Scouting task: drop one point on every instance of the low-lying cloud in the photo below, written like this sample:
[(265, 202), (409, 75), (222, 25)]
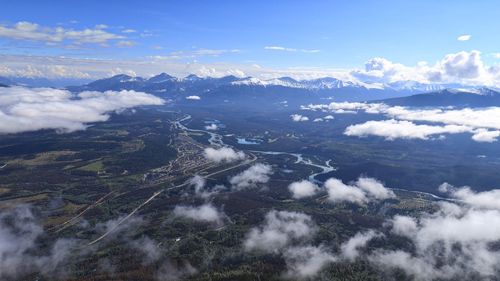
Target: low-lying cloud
[(280, 228), (482, 123), (396, 129), (204, 213), (453, 243), (302, 189), (485, 199), (362, 191), (19, 232), (257, 174), (299, 118), (457, 241), (31, 109), (306, 261), (350, 249), (223, 154), (212, 127), (288, 234)]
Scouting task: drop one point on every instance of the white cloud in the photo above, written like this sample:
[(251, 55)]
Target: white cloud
[(205, 213), (462, 67), (483, 135), (351, 248), (374, 188), (223, 154), (381, 70), (396, 129), (46, 71), (483, 123), (299, 118), (306, 261), (362, 191), (279, 230), (20, 254), (403, 225), (31, 31), (285, 49), (191, 54), (287, 233), (251, 177), (201, 189), (198, 182), (125, 43), (193, 98), (129, 30), (453, 243), (465, 37), (340, 192), (486, 199), (212, 127), (30, 109), (302, 189)]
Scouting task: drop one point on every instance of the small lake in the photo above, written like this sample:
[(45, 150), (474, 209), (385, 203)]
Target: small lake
[(249, 141)]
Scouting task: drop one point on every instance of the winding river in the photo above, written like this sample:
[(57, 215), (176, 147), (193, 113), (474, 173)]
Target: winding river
[(216, 140)]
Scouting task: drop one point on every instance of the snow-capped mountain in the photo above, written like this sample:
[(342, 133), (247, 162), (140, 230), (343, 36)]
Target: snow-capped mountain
[(314, 84), (287, 88), (334, 83), (460, 97), (414, 86)]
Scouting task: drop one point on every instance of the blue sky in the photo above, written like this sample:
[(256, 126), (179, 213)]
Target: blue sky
[(320, 34)]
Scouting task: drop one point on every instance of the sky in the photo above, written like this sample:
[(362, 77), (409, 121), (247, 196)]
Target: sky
[(239, 37)]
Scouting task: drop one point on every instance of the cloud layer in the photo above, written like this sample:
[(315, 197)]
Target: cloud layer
[(482, 123), (30, 109), (20, 253), (462, 67), (466, 67), (24, 30), (288, 233), (362, 191)]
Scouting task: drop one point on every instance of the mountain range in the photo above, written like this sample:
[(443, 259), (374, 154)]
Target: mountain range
[(290, 91), (480, 97), (325, 83)]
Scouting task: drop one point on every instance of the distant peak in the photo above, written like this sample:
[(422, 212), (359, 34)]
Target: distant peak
[(162, 77), (192, 77), (288, 79), (125, 78), (119, 76), (482, 91)]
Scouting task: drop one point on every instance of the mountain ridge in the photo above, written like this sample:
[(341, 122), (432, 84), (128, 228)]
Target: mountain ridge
[(478, 97)]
